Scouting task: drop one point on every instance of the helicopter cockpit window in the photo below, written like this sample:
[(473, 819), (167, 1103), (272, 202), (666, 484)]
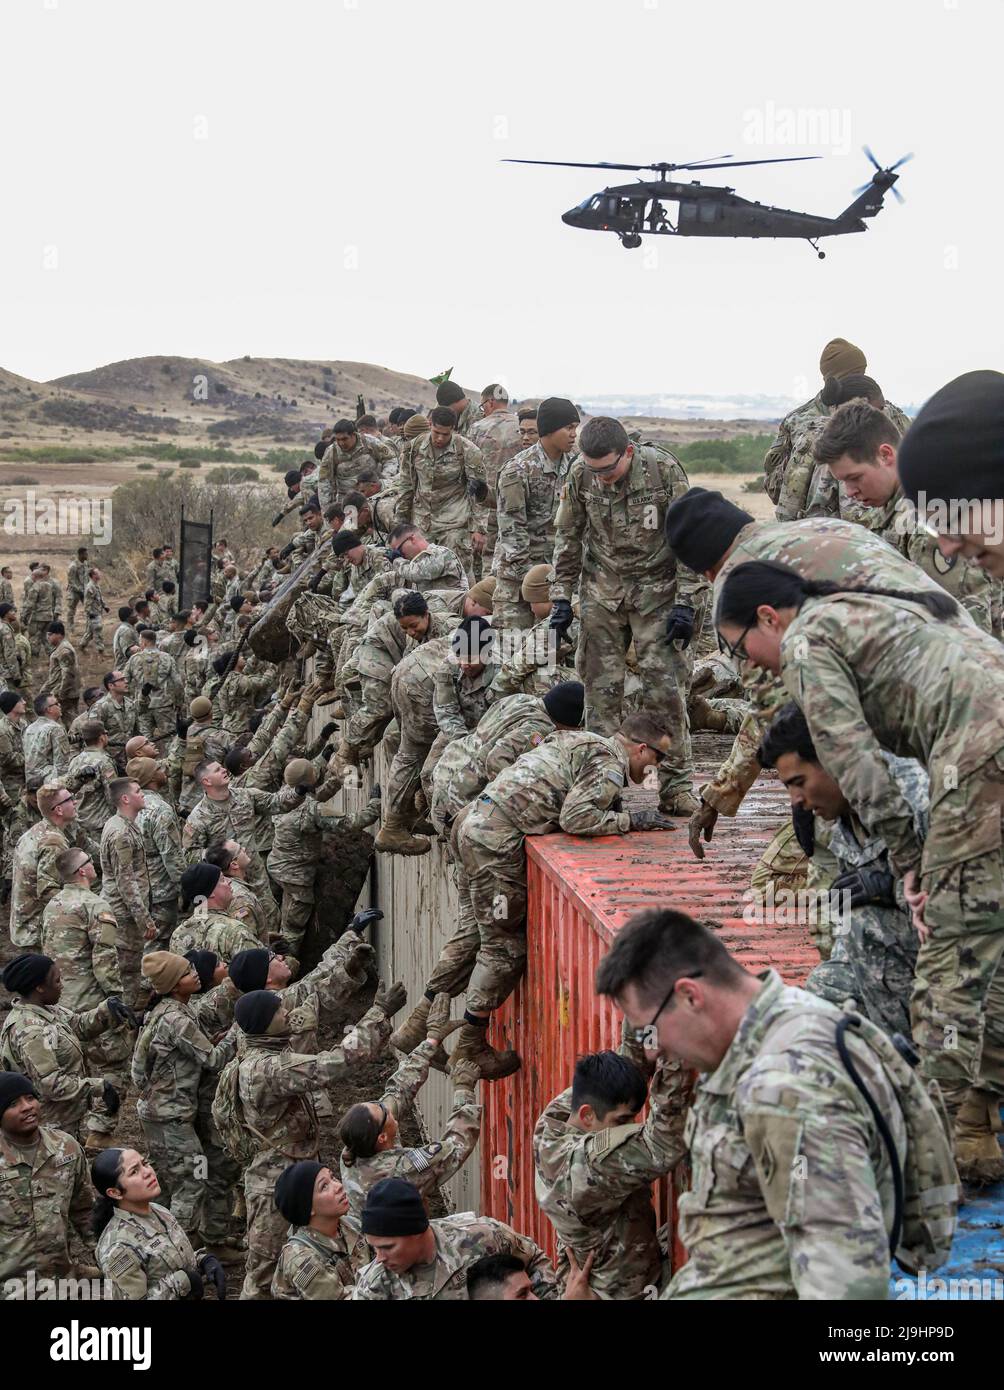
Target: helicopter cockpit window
[(688, 212), (709, 212)]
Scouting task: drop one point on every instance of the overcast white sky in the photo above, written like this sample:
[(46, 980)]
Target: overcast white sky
[(321, 178)]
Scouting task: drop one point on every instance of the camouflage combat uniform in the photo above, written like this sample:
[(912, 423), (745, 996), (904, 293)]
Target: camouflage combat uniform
[(367, 675), (47, 750), (122, 643), (434, 493), (11, 781), (532, 659), (529, 488), (610, 544), (87, 777), (78, 932), (233, 818), (76, 583), (119, 719), (165, 863), (46, 1042), (63, 679), (40, 607), (411, 698), (207, 930), (146, 1257), (204, 742), (237, 698), (95, 609), (35, 879), (156, 709), (572, 782), (45, 1190), (497, 436), (10, 664), (430, 1166), (125, 882), (314, 1266), (339, 471), (460, 1242)]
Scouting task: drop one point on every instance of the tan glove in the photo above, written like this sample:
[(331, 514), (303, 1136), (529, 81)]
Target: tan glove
[(390, 999), (466, 1074), (702, 820)]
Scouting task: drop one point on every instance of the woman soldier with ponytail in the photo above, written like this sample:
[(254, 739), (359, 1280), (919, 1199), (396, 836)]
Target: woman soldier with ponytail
[(141, 1248), (874, 669)]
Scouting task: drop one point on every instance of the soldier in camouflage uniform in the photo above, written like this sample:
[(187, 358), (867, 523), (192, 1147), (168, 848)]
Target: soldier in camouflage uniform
[(371, 1135), (529, 488), (40, 607), (610, 544), (95, 609), (125, 882), (35, 878), (45, 1041), (165, 858), (11, 765), (532, 658), (442, 489), (302, 837), (204, 741), (46, 1193), (348, 454), (155, 685), (306, 541), (79, 933), (10, 661), (237, 697), (76, 583), (125, 637), (869, 673), (497, 435), (424, 1260), (571, 782), (207, 924), (316, 1261), (452, 396), (171, 1059), (63, 680), (595, 1165), (24, 815), (47, 749), (232, 860), (265, 1096), (89, 697), (411, 695), (791, 1194), (88, 777), (6, 584)]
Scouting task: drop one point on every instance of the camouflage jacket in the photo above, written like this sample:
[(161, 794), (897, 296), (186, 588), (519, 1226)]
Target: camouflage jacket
[(119, 720), (122, 643), (172, 1052), (459, 701), (10, 665), (87, 777), (596, 1188), (125, 879), (434, 486), (460, 1242), (213, 931), (165, 859), (78, 932), (430, 1166), (339, 472), (46, 749), (372, 665), (237, 696), (511, 726), (572, 781), (246, 908), (42, 602), (791, 1192), (158, 670), (314, 1266), (11, 762), (497, 436), (146, 1257), (411, 690), (35, 879), (46, 1042), (76, 577), (529, 487), (94, 604), (203, 740), (299, 836), (437, 567), (233, 818), (44, 1191), (533, 659), (610, 542), (793, 471), (63, 679)]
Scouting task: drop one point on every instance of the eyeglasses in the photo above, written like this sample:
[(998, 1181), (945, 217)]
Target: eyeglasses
[(736, 650), (660, 754), (65, 799), (607, 467), (384, 1113), (644, 1036)]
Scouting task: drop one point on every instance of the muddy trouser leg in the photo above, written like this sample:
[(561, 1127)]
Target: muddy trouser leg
[(493, 856), (130, 942), (222, 1179), (108, 1055), (165, 914), (452, 971), (600, 662), (404, 777), (872, 963), (665, 673), (176, 1153), (297, 910), (266, 1232)]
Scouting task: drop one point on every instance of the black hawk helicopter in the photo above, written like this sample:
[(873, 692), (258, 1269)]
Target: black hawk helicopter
[(633, 209)]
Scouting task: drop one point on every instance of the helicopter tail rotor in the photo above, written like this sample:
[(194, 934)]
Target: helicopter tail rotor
[(883, 178)]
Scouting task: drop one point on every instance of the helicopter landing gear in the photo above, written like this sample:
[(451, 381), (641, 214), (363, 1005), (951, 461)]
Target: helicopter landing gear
[(815, 247), (630, 241)]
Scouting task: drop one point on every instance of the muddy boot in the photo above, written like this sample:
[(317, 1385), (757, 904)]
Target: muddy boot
[(423, 826), (394, 838), (705, 717), (977, 1152), (96, 1142), (681, 803), (412, 1030), (475, 1047)]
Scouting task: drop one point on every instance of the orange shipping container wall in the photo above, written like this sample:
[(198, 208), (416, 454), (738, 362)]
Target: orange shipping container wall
[(580, 893)]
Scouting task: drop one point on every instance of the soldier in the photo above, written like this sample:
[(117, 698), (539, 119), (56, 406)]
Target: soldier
[(207, 896), (419, 564), (571, 782), (6, 584), (24, 815), (125, 882), (63, 680), (370, 1131), (76, 583), (142, 1250), (161, 567), (117, 712), (153, 682), (89, 697), (776, 1102), (503, 1279), (237, 696), (595, 1166), (45, 1041), (174, 642), (41, 606), (871, 965), (35, 878), (233, 862), (453, 397), (347, 454), (125, 641), (167, 600), (415, 1258), (532, 658), (497, 435), (264, 1102), (10, 663), (442, 489), (165, 858), (79, 934), (609, 542), (412, 687), (88, 777), (171, 1059), (203, 740), (529, 487), (301, 839), (11, 752), (463, 691), (316, 1261), (43, 1176), (526, 420), (94, 610), (870, 669)]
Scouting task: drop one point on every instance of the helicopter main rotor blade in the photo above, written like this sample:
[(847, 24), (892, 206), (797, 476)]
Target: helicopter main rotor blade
[(573, 164), (742, 163)]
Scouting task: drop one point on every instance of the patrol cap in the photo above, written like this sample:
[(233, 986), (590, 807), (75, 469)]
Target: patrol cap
[(200, 708), (394, 1207), (142, 770), (536, 586), (300, 770), (701, 526), (294, 1191), (14, 1085)]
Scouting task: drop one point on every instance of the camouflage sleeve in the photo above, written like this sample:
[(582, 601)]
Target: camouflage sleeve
[(775, 460), (91, 1023), (273, 757), (263, 737), (296, 1073), (370, 1285), (43, 1068), (569, 529), (824, 686), (214, 1011), (537, 1265), (460, 1137), (405, 504), (120, 853), (194, 837), (82, 1199), (193, 1045), (589, 806), (430, 565), (507, 749), (101, 930), (123, 1268), (411, 1075), (512, 549), (61, 750), (168, 839), (28, 604), (324, 818), (445, 704), (274, 803), (474, 468), (738, 772), (528, 653)]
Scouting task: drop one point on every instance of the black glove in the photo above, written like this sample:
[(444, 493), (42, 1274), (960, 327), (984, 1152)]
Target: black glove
[(146, 689), (649, 818), (277, 519), (869, 884), (87, 774), (286, 551), (328, 730), (195, 1279), (327, 750), (280, 946), (561, 615), (213, 1273), (477, 489), (393, 553), (805, 829), (680, 623), (121, 1012), (312, 586), (363, 919), (304, 788), (111, 1098)]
